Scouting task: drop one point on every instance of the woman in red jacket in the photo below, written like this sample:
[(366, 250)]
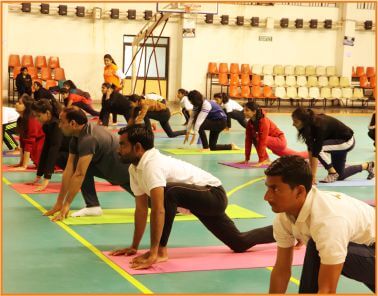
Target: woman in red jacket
[(263, 133), (31, 134)]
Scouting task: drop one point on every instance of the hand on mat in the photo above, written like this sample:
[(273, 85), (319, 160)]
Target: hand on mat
[(259, 164), (57, 207), (43, 185), (126, 251), (62, 215), (19, 168), (143, 261)]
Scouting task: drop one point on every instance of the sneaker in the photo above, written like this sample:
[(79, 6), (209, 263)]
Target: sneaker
[(370, 170), (92, 211), (330, 178)]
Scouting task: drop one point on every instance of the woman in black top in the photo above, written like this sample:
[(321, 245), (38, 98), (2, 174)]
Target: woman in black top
[(113, 102), (42, 93), (325, 135), (56, 146), (24, 82)]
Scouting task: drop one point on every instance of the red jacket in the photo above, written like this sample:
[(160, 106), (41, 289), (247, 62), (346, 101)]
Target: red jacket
[(267, 128), (34, 139)]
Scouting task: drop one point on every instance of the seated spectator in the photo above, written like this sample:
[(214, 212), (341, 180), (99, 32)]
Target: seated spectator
[(24, 82)]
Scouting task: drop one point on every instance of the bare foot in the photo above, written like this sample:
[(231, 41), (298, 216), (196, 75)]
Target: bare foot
[(162, 255), (153, 125), (205, 149)]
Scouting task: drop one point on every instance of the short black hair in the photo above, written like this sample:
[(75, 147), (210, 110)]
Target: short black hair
[(294, 170), (75, 113), (139, 133)]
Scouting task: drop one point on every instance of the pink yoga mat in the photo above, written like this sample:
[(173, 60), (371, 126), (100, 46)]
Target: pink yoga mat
[(210, 258), (246, 166), (31, 168), (54, 187), (242, 165)]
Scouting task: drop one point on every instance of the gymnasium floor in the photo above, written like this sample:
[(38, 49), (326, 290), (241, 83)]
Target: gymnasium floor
[(40, 256)]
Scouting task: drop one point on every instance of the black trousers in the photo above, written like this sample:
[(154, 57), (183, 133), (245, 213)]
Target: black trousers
[(87, 108), (208, 204), (163, 118), (338, 158), (88, 189), (9, 129), (215, 127), (359, 265), (237, 115), (371, 134), (186, 115)]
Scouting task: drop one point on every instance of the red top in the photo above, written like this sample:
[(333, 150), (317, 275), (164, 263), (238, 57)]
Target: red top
[(34, 139), (77, 98), (259, 139)]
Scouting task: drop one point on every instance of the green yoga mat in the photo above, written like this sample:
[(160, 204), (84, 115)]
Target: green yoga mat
[(114, 216), (199, 151)]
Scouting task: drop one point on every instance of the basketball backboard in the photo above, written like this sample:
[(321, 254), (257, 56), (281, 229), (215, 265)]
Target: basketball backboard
[(188, 7)]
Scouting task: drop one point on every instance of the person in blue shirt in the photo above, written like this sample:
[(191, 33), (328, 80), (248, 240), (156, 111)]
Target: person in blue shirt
[(206, 115)]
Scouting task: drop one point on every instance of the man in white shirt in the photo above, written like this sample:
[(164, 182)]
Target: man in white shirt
[(339, 230), (172, 183)]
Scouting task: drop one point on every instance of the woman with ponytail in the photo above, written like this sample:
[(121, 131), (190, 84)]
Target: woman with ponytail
[(263, 133), (328, 140), (55, 148), (30, 131)]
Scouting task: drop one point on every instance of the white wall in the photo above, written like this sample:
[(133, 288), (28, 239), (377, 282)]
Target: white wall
[(81, 43)]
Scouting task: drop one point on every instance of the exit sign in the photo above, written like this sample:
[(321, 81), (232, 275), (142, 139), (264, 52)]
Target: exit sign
[(265, 38)]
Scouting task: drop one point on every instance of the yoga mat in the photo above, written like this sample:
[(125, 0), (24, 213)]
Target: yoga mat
[(209, 258), (349, 183), (113, 216), (195, 151), (8, 169), (371, 202), (243, 166), (54, 187)]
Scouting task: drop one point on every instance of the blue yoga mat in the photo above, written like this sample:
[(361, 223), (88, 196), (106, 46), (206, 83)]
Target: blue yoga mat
[(349, 183)]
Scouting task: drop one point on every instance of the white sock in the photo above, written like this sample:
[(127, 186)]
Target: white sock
[(92, 211)]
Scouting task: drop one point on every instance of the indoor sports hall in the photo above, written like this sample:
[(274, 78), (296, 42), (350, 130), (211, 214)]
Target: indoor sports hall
[(280, 55)]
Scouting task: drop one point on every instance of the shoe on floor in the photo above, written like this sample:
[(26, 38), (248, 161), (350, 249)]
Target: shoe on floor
[(92, 211), (370, 170), (330, 178)]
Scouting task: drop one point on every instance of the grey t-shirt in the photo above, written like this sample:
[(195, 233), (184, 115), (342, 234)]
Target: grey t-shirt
[(100, 142)]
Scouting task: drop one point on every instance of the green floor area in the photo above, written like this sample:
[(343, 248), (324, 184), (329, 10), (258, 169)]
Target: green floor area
[(39, 256)]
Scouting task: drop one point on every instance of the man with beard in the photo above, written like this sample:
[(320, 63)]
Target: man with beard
[(170, 183), (93, 153)]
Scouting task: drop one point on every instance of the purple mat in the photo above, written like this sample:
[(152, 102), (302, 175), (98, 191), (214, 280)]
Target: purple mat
[(243, 166)]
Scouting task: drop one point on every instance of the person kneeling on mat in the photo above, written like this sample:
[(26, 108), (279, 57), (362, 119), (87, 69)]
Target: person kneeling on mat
[(93, 152), (170, 183), (339, 230)]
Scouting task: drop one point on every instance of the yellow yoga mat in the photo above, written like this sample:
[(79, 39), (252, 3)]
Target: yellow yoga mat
[(199, 151), (114, 216)]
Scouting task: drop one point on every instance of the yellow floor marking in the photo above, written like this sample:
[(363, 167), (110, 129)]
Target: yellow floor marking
[(87, 244)]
